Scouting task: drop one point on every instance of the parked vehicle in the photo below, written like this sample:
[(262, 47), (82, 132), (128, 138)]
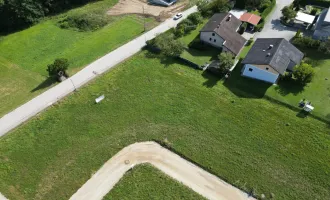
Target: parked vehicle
[(177, 16)]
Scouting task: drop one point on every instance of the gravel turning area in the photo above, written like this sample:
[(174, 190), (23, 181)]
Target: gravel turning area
[(142, 7), (171, 164)]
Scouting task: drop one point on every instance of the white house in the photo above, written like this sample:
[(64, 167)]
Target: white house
[(221, 32), (269, 58)]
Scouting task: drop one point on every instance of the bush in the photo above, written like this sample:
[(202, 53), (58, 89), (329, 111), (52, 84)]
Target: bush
[(325, 46), (60, 65), (264, 15), (168, 45), (226, 61), (249, 42), (207, 8), (84, 22), (264, 4), (184, 27), (196, 18), (288, 12), (313, 11), (306, 42), (303, 73)]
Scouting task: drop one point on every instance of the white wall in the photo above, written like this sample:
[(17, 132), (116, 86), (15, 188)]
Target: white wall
[(205, 37), (259, 74)]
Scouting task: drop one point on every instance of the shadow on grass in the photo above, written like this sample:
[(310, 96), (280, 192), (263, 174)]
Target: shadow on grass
[(167, 61), (288, 87), (245, 87), (211, 79), (302, 114), (45, 84)]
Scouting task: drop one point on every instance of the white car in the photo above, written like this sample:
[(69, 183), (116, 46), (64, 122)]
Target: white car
[(177, 16)]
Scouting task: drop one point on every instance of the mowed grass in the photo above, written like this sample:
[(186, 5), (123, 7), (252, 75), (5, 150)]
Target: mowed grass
[(146, 182), (249, 142), (318, 91), (31, 50)]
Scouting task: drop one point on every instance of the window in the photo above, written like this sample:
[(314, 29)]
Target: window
[(210, 39), (214, 40), (267, 68), (213, 34), (250, 69)]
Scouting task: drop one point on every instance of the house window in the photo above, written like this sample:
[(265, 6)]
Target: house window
[(215, 40), (210, 39), (213, 34), (250, 69), (267, 68)]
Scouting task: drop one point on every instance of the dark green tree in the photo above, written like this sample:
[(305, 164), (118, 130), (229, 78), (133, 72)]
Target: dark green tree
[(288, 13), (226, 61), (59, 66), (303, 73), (168, 45)]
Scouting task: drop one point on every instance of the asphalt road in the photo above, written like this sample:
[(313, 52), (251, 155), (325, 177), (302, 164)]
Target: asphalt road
[(51, 96), (199, 180), (273, 28)]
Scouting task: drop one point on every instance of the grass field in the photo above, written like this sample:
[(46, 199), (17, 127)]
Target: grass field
[(24, 55), (145, 182), (248, 141)]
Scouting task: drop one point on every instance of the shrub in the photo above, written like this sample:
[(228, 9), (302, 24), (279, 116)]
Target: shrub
[(313, 11), (207, 8), (195, 18), (184, 27), (60, 65), (249, 42), (264, 4), (84, 22), (303, 73), (168, 45), (298, 34), (226, 61), (325, 46), (288, 12), (306, 42)]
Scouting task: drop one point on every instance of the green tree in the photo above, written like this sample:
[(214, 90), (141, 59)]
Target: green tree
[(325, 46), (60, 65), (303, 73), (226, 61), (288, 13), (168, 45), (196, 18), (264, 4), (217, 6)]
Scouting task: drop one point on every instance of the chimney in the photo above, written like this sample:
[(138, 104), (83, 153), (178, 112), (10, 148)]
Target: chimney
[(271, 46), (268, 54), (229, 18)]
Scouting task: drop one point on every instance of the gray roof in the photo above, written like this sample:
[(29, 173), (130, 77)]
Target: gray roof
[(282, 56), (322, 28), (226, 29)]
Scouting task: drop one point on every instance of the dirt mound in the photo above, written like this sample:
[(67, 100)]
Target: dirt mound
[(142, 7)]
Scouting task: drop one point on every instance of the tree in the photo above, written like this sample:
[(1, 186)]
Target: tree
[(196, 18), (216, 6), (264, 4), (288, 13), (168, 45), (303, 73), (325, 46), (60, 65), (226, 61)]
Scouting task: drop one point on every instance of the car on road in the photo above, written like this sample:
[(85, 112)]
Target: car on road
[(177, 16)]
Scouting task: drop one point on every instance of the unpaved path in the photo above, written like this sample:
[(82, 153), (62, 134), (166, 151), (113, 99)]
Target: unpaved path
[(171, 164), (142, 7)]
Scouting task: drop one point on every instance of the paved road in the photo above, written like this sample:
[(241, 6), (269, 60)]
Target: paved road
[(273, 28), (51, 96), (202, 182)]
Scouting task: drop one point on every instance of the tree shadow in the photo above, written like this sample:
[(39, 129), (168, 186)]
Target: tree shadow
[(245, 87), (165, 60), (285, 87), (211, 79), (45, 84)]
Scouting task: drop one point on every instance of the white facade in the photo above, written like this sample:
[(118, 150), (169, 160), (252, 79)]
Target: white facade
[(212, 38), (260, 74)]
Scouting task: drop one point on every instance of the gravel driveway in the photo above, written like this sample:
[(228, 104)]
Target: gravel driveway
[(273, 28)]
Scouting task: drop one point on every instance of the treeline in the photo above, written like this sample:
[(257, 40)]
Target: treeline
[(18, 14)]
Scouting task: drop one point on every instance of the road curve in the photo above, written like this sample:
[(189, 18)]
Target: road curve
[(171, 164)]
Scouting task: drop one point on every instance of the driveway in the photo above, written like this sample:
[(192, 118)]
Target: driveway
[(199, 180), (273, 28)]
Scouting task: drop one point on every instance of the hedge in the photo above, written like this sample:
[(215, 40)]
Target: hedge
[(265, 14)]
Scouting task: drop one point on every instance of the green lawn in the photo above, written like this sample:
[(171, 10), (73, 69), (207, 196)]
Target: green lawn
[(243, 139), (318, 91), (25, 55), (145, 182)]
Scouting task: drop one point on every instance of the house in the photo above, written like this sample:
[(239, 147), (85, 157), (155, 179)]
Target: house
[(250, 18), (163, 2), (269, 58), (221, 32), (322, 28)]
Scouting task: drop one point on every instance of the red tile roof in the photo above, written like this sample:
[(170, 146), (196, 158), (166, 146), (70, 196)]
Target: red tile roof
[(250, 18)]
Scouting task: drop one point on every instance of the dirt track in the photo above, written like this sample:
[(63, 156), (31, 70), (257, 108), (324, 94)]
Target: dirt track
[(142, 7), (171, 164)]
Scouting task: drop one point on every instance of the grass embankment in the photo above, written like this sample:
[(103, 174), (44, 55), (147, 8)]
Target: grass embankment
[(249, 142), (24, 55), (146, 182)]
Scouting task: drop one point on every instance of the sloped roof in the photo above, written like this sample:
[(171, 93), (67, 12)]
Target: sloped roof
[(250, 18), (282, 56), (226, 25)]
